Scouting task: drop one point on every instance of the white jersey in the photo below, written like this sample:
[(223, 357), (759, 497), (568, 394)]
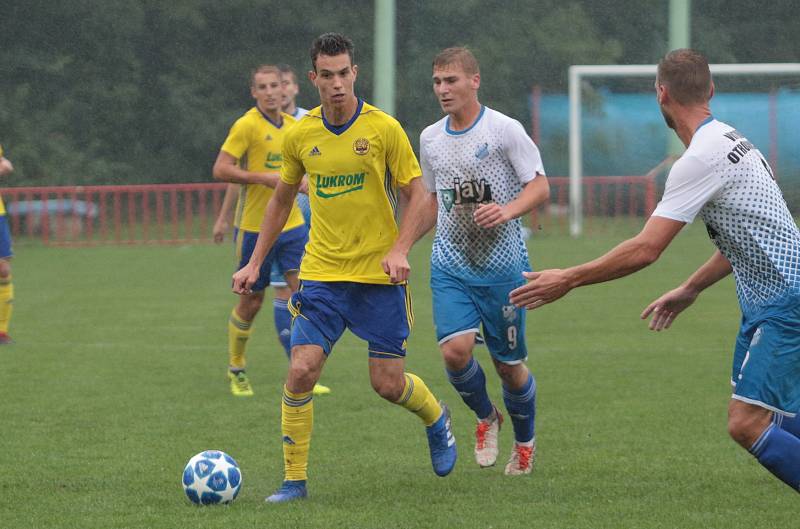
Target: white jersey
[(489, 162), (725, 179), (299, 112)]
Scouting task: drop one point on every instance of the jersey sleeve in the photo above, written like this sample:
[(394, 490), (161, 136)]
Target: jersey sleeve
[(522, 152), (690, 185), (238, 140), (292, 169), (400, 158), (428, 177)]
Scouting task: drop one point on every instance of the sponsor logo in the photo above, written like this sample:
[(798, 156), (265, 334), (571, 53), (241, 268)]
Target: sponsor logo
[(468, 192), (274, 160), (315, 151), (333, 186), (361, 146), (509, 313), (482, 151)]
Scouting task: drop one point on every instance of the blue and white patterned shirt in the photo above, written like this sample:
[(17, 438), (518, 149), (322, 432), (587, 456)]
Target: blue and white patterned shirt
[(723, 178), (489, 162)]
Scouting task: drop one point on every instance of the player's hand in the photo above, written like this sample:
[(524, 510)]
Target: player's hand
[(6, 167), (396, 266), (221, 227), (303, 188), (490, 215), (666, 308), (244, 279), (543, 287)]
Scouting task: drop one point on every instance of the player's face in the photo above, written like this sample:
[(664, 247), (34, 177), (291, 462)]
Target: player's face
[(661, 98), (267, 91), (335, 79), (454, 88), (290, 89)]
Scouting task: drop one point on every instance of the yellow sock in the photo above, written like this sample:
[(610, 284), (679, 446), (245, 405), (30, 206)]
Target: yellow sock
[(297, 421), (6, 302), (419, 400), (238, 333)]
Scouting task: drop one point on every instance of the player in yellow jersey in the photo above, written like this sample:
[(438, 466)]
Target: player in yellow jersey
[(355, 268), (251, 157), (6, 287)]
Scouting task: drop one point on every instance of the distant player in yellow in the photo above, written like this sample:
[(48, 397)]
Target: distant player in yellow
[(355, 267), (6, 287), (251, 156)]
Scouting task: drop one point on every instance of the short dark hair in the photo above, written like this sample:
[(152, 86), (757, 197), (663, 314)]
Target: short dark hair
[(331, 44), (686, 74), (457, 55)]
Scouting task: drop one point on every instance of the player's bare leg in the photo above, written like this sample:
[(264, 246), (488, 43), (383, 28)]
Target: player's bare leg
[(390, 381), (468, 378)]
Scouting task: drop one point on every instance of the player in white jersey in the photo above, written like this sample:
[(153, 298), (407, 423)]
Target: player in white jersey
[(483, 173), (725, 180)]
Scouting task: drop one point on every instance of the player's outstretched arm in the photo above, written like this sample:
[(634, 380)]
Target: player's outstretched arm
[(535, 193), (226, 169), (418, 218), (667, 307), (223, 222), (275, 216), (626, 258)]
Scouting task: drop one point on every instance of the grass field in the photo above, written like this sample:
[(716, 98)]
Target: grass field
[(118, 377)]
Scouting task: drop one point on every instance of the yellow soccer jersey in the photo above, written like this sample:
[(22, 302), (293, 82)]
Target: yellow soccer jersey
[(256, 142), (353, 174)]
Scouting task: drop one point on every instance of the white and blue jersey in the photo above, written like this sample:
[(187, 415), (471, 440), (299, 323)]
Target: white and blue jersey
[(489, 162), (473, 269), (724, 179)]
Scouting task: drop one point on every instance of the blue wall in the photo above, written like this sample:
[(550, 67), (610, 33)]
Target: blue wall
[(625, 134)]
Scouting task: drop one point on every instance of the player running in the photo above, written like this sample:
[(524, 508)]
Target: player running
[(355, 269), (484, 173), (724, 179)]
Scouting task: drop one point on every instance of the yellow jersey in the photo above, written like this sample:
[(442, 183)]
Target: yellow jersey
[(353, 171), (255, 141), (2, 205)]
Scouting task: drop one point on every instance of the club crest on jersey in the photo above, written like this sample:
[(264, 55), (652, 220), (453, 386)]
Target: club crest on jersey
[(467, 192), (482, 151), (361, 146), (315, 151)]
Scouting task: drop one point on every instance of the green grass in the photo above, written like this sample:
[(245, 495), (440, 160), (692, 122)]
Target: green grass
[(117, 378)]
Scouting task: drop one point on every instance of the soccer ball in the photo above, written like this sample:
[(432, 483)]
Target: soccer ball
[(212, 477)]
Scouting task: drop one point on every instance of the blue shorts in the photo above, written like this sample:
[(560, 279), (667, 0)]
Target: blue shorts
[(5, 238), (766, 361), (459, 308), (379, 314), (286, 253)]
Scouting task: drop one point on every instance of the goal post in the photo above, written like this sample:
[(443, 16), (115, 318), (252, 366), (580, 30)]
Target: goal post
[(578, 73)]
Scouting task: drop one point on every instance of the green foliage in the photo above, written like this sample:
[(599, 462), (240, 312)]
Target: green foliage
[(144, 91), (118, 377)]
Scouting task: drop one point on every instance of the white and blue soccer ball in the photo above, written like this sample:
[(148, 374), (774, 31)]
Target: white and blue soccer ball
[(212, 477)]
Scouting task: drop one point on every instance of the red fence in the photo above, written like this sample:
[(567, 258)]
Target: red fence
[(185, 213)]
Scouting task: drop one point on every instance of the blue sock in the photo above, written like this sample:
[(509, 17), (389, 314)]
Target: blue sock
[(521, 406), (283, 324), (789, 424), (779, 452), (471, 385)]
